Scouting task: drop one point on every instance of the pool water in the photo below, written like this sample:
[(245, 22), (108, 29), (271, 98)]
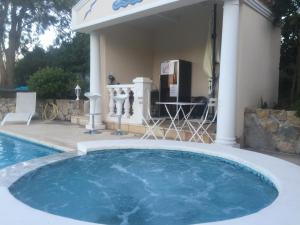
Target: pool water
[(14, 150), (145, 187)]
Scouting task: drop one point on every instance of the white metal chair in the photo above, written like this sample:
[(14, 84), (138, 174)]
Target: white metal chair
[(120, 99), (203, 125), (25, 108), (152, 123)]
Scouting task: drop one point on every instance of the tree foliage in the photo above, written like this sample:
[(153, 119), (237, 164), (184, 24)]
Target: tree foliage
[(72, 56), (32, 62), (21, 21), (53, 83), (286, 13)]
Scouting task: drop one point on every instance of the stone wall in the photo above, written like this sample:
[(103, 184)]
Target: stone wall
[(272, 130), (7, 105), (66, 108)]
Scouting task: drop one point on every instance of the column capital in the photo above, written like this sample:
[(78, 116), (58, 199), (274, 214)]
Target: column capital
[(94, 33), (232, 2), (142, 80)]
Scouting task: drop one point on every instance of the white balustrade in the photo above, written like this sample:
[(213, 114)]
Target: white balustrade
[(133, 109)]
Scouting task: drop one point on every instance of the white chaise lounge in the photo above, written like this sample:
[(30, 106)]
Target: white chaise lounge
[(25, 108)]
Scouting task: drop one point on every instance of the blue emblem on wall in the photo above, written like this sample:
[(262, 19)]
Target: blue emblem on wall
[(90, 9), (124, 3)]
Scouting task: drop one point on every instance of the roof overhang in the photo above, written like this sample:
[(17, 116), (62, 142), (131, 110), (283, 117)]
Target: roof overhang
[(260, 8), (89, 15)]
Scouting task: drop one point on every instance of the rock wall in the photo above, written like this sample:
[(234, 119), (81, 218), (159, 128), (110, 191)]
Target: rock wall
[(272, 130), (7, 105), (66, 108)]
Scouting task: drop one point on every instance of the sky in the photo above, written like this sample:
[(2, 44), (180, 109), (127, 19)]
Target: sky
[(47, 38)]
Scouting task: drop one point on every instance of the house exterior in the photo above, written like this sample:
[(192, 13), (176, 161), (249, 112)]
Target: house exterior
[(131, 38)]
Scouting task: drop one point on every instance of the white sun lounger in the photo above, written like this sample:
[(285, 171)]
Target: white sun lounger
[(25, 108)]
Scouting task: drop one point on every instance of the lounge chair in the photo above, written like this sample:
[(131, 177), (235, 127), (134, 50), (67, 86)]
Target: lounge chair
[(25, 108)]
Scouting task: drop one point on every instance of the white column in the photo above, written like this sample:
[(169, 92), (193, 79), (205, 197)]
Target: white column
[(226, 125), (95, 79)]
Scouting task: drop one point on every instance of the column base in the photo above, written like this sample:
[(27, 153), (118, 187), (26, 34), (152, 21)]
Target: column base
[(228, 142), (98, 126)]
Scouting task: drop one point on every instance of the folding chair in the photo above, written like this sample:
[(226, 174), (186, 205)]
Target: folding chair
[(152, 123), (209, 118)]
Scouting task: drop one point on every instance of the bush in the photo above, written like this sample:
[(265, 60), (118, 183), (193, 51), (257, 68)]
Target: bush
[(53, 83)]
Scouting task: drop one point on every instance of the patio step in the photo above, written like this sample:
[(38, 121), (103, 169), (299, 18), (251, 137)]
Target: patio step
[(80, 120)]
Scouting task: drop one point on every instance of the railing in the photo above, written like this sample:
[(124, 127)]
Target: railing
[(135, 106)]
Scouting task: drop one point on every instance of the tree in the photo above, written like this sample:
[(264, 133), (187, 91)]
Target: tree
[(286, 12), (72, 56), (21, 21), (29, 64)]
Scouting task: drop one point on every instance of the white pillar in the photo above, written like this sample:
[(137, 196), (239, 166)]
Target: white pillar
[(226, 126), (95, 79)]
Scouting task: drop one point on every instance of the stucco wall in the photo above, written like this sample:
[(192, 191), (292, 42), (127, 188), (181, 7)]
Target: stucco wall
[(258, 68), (128, 53)]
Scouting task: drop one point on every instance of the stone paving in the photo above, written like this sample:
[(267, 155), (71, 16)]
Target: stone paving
[(65, 135), (60, 134)]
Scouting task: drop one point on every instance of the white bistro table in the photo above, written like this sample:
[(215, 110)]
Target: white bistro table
[(179, 110)]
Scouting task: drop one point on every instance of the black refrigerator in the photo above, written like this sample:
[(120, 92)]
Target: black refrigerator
[(175, 84)]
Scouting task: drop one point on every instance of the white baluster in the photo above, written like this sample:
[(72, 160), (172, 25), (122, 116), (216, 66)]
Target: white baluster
[(120, 107), (127, 103), (111, 101)]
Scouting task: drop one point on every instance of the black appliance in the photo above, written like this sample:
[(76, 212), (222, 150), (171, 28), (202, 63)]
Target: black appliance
[(175, 84)]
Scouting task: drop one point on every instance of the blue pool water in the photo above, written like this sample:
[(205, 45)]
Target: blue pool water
[(14, 150), (145, 187)]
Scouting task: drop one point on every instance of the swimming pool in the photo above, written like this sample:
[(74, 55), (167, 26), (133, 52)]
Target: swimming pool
[(14, 150), (146, 187), (279, 208)]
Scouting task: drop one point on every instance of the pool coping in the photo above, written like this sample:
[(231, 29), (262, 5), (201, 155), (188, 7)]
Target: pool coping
[(285, 176), (36, 141)]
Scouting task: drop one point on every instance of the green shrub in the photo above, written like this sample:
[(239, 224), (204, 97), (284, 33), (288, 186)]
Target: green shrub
[(297, 108), (53, 83)]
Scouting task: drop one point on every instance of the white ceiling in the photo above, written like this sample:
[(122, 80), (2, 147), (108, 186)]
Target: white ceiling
[(166, 18)]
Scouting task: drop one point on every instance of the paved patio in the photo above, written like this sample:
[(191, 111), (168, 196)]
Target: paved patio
[(66, 135), (61, 134)]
